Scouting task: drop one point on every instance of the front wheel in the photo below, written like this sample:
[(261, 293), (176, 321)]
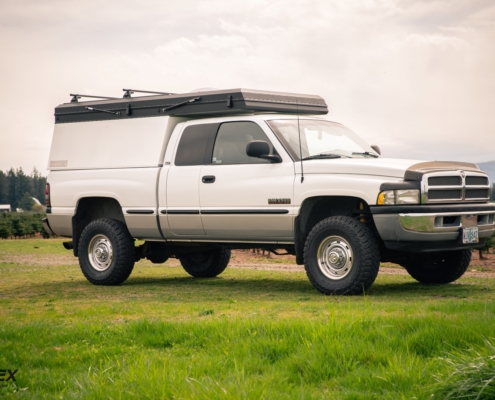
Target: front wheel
[(106, 252), (439, 267), (341, 256), (207, 263)]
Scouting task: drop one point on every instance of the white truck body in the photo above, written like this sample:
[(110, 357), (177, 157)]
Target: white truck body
[(134, 164)]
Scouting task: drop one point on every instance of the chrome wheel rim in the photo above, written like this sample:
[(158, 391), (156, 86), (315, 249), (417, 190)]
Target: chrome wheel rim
[(100, 253), (335, 257)]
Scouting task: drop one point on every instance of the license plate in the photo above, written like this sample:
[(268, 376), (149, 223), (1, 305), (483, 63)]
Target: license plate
[(470, 235)]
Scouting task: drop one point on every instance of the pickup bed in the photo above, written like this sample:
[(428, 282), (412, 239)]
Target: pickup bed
[(197, 175)]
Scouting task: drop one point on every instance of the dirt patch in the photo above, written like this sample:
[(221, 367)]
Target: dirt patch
[(487, 263), (39, 259), (252, 260)]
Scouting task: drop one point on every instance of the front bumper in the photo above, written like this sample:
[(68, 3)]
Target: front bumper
[(432, 228)]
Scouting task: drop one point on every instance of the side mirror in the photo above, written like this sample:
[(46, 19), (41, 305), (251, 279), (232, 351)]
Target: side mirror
[(261, 149), (376, 148)]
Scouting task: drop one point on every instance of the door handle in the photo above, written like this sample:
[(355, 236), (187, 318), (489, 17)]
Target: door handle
[(208, 179)]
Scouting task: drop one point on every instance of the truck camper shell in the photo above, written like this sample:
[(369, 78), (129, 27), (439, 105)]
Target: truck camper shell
[(197, 104)]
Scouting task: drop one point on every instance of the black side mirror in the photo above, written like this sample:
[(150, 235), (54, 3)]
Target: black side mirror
[(261, 149), (376, 148)]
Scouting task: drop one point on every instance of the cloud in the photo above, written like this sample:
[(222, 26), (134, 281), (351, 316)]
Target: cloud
[(416, 77)]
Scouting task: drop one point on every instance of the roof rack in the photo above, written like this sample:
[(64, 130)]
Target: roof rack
[(218, 102), (128, 92), (76, 97)]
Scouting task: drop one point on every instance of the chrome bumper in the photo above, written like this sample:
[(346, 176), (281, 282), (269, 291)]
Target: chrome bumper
[(447, 222), (433, 227)]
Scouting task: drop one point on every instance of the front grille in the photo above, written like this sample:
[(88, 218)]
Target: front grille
[(477, 193), (445, 181), (455, 187), (445, 194), (476, 181)]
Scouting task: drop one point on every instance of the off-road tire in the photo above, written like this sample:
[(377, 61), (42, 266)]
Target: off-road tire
[(111, 237), (341, 238), (438, 267), (206, 264)]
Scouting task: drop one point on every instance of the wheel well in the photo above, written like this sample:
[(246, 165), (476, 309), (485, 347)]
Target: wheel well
[(91, 208), (315, 209)]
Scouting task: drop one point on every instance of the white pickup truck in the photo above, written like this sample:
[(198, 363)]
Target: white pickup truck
[(196, 175)]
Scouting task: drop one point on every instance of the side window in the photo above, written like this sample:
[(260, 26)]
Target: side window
[(192, 145), (232, 139)]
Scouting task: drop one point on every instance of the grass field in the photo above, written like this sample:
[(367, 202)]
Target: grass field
[(247, 334)]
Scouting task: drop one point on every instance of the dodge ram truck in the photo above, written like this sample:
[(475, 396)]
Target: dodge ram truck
[(196, 175)]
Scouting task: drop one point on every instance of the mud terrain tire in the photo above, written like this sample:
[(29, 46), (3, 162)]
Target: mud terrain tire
[(106, 252), (341, 256)]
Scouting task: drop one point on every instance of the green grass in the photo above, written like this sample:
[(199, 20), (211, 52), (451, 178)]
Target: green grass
[(246, 334)]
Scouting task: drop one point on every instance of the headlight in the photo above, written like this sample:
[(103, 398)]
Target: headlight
[(393, 197)]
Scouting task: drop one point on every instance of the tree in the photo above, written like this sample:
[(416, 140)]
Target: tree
[(4, 226), (12, 188), (38, 184), (24, 183), (4, 189), (18, 229), (490, 243), (27, 202)]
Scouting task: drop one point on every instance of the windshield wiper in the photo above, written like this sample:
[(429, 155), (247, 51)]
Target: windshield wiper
[(322, 156), (366, 153)]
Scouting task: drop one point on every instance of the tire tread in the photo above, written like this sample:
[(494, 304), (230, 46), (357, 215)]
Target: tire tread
[(123, 249), (368, 249)]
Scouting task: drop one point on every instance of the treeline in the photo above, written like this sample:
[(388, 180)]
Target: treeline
[(21, 225), (18, 189)]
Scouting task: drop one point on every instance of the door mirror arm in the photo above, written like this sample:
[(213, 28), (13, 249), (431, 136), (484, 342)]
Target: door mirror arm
[(274, 158)]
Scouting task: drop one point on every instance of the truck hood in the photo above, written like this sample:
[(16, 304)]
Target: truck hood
[(387, 167)]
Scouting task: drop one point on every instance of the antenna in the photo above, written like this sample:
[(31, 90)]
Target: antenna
[(300, 144), (128, 92)]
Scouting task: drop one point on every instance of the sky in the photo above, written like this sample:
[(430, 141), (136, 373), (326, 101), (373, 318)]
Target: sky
[(415, 77)]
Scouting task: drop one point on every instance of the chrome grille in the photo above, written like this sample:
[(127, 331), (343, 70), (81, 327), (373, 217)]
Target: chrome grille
[(455, 187)]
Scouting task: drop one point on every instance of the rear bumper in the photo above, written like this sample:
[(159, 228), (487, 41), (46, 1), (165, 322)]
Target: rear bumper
[(46, 226), (432, 228)]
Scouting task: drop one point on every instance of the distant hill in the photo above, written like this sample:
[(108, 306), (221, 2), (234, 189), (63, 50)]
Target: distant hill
[(489, 168)]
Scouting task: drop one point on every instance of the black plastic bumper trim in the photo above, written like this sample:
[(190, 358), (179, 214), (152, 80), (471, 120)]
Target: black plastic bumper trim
[(47, 227), (427, 247), (441, 208)]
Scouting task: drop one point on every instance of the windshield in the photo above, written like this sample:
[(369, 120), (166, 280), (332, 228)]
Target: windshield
[(320, 139)]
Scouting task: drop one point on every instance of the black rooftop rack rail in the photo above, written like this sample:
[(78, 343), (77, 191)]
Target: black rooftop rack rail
[(198, 104)]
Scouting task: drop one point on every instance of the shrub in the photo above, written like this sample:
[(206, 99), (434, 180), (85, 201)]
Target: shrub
[(21, 225)]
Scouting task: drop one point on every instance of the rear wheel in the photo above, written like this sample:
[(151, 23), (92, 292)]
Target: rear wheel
[(106, 252), (206, 264), (439, 267), (341, 256)]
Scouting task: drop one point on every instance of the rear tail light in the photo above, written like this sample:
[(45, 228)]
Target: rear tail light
[(47, 195)]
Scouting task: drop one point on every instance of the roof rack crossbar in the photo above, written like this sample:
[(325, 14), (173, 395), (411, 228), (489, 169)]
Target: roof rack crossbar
[(128, 92), (76, 97)]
